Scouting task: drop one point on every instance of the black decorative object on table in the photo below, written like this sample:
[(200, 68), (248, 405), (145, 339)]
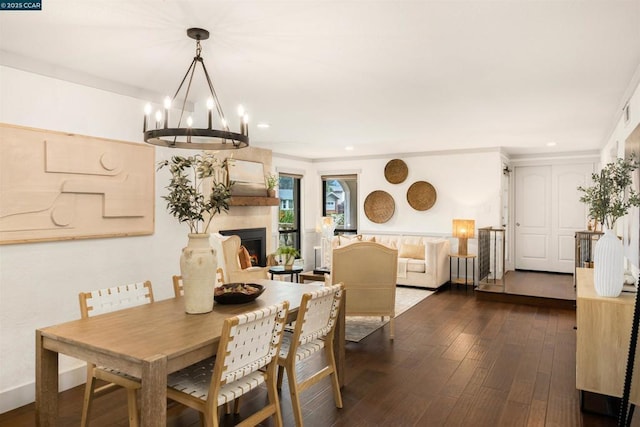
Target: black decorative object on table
[(237, 293)]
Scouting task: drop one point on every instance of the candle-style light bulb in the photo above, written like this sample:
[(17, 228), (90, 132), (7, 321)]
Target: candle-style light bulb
[(224, 124), (158, 118), (241, 114), (167, 105), (245, 123), (189, 124), (210, 111), (147, 112)]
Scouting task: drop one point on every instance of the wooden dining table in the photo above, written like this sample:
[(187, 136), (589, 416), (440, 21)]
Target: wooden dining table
[(149, 342)]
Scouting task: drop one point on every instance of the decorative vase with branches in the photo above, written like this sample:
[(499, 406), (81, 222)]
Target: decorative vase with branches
[(196, 195), (608, 199)]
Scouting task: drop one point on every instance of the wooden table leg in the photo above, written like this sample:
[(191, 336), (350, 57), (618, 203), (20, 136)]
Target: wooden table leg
[(46, 384), (153, 399)]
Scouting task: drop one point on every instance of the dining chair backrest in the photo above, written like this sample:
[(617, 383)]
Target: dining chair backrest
[(117, 298), (318, 313), (178, 289), (249, 342)]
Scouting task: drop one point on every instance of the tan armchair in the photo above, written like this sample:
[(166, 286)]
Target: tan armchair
[(227, 249), (368, 271)]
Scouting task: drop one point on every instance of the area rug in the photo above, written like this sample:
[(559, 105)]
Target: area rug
[(358, 327)]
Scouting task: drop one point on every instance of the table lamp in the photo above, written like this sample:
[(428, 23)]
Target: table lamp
[(463, 229)]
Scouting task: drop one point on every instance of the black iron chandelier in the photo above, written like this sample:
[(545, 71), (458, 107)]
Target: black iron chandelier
[(182, 136)]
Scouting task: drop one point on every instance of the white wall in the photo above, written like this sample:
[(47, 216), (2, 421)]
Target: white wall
[(467, 186), (616, 148)]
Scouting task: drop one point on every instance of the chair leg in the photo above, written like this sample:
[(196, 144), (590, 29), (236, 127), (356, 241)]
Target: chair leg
[(294, 392), (133, 407), (211, 416), (331, 360), (392, 327), (272, 393), (88, 396), (280, 375)]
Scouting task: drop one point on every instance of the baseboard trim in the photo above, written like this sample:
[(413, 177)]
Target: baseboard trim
[(25, 394)]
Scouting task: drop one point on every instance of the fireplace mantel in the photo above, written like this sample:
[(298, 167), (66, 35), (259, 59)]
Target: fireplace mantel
[(253, 201)]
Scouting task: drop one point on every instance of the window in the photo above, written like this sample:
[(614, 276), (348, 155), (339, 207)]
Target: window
[(289, 213), (340, 201)]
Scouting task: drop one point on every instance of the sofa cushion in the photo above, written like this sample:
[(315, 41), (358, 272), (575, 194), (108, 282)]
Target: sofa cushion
[(245, 259), (416, 265), (407, 250)]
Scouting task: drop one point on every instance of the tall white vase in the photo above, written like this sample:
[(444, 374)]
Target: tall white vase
[(198, 267), (608, 265)]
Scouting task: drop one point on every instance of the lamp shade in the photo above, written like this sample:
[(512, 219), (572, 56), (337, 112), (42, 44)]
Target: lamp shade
[(464, 228)]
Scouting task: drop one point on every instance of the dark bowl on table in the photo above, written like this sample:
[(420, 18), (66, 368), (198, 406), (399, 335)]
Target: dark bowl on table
[(233, 293)]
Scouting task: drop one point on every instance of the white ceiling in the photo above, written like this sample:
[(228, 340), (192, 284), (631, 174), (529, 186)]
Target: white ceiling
[(380, 76)]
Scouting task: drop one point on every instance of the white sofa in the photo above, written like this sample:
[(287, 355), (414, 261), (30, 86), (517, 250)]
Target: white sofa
[(422, 261)]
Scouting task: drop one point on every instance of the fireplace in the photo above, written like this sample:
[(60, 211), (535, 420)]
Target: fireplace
[(255, 240)]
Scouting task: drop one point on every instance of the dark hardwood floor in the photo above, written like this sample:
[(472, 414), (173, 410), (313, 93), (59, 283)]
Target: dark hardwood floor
[(457, 360)]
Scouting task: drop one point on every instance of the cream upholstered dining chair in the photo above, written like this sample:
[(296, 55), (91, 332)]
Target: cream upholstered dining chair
[(314, 330), (105, 301), (247, 356), (227, 251), (368, 271), (177, 282)]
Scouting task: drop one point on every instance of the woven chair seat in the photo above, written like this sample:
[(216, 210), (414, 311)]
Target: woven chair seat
[(303, 351), (195, 380)]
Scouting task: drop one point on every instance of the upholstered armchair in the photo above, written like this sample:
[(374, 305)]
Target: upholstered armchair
[(227, 252), (368, 271)]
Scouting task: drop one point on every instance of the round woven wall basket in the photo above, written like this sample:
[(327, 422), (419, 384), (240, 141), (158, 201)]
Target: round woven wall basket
[(421, 196), (379, 206), (396, 171)]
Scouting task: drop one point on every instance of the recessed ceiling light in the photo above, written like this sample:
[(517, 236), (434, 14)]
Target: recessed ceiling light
[(349, 148), (263, 125), (551, 144)]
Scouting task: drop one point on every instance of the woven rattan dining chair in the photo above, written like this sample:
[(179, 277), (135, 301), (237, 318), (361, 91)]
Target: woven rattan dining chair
[(314, 330), (249, 343), (105, 301), (177, 282)]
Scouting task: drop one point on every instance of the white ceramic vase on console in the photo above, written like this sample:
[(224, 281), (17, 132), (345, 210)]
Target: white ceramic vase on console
[(198, 267), (608, 265)]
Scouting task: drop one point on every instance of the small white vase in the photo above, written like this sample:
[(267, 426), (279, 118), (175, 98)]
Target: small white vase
[(608, 265), (198, 267)]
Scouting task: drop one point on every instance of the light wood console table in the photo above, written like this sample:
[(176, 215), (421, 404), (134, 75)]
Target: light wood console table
[(602, 342)]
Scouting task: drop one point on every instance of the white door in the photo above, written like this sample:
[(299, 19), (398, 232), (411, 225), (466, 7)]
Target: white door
[(548, 213)]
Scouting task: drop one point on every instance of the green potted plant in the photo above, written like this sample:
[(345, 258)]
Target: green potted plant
[(289, 253), (608, 199), (611, 195), (271, 180), (196, 194)]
